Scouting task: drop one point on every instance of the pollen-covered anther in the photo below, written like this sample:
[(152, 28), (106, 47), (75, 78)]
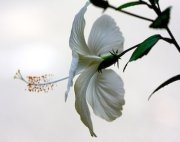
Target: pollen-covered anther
[(39, 83)]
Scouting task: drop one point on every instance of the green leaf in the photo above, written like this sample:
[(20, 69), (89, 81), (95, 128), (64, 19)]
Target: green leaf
[(169, 81), (157, 1), (154, 1), (144, 47), (129, 4), (162, 20)]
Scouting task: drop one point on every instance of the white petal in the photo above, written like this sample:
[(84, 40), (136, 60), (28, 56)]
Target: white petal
[(72, 72), (78, 64), (80, 92), (105, 94), (77, 41), (85, 61), (105, 36)]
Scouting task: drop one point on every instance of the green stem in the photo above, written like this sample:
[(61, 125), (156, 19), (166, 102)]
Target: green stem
[(169, 40), (173, 39), (132, 14), (158, 12), (127, 50)]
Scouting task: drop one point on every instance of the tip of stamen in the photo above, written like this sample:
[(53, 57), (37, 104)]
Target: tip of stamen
[(18, 75)]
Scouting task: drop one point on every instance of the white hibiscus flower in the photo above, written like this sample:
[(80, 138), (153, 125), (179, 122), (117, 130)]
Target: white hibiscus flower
[(101, 88)]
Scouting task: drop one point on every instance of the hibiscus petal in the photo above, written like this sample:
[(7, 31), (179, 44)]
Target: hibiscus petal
[(72, 72), (105, 36), (80, 94), (85, 61), (78, 64), (105, 94), (77, 41)]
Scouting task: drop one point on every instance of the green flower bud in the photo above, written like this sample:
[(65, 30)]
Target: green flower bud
[(100, 3)]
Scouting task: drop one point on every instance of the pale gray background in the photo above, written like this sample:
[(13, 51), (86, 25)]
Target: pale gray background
[(34, 38)]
